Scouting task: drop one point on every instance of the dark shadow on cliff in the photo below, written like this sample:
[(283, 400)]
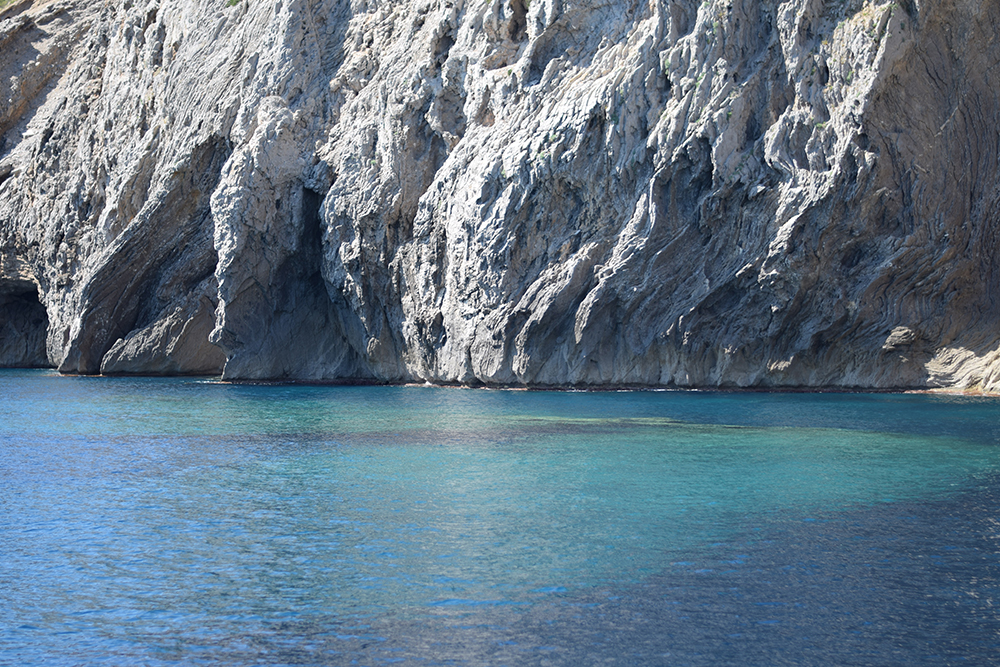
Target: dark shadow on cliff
[(23, 326)]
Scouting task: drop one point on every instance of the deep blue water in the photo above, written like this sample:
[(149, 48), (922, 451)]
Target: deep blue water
[(187, 522)]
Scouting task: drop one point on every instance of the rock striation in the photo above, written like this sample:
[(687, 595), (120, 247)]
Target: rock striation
[(735, 193)]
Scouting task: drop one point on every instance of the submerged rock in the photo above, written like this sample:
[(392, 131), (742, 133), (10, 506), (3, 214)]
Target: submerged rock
[(665, 192)]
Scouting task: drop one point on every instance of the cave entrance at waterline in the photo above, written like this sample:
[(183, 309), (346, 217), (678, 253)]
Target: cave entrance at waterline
[(23, 326)]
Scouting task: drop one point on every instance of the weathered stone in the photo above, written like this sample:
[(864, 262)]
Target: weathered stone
[(655, 192), (899, 337)]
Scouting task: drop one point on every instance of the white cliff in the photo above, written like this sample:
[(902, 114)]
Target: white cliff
[(560, 192)]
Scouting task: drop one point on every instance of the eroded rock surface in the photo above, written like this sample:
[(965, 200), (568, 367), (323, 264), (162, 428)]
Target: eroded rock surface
[(560, 192)]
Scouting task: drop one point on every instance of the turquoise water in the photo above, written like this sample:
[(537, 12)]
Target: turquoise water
[(179, 521)]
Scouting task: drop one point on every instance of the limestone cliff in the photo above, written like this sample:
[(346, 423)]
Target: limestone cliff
[(553, 192)]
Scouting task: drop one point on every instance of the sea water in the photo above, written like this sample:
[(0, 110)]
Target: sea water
[(191, 522)]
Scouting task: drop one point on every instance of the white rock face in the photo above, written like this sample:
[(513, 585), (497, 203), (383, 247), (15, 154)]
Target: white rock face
[(560, 192)]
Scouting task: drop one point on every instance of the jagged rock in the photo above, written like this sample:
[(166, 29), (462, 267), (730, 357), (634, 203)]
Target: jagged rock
[(899, 337), (664, 192)]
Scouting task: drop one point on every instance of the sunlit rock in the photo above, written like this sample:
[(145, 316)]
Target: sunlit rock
[(720, 193)]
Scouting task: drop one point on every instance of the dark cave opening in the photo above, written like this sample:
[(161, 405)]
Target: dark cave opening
[(24, 324)]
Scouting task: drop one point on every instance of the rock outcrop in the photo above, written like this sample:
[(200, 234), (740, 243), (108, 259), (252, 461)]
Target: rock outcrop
[(659, 192)]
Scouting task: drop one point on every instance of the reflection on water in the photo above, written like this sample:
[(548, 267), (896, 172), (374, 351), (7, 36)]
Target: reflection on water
[(178, 521)]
